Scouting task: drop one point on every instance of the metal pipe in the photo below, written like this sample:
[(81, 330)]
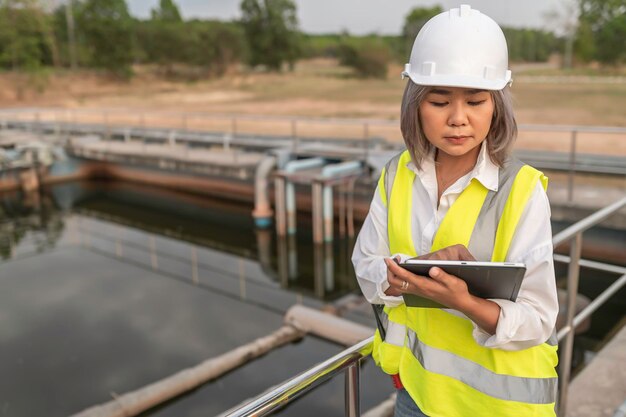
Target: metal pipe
[(327, 212), (290, 190), (572, 291), (318, 227), (142, 399), (279, 197), (327, 326), (330, 171), (290, 204), (262, 212)]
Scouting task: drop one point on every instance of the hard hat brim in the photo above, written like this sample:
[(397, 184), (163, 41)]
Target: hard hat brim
[(458, 81)]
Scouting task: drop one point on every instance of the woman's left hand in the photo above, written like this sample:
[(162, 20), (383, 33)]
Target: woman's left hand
[(446, 289), (443, 288)]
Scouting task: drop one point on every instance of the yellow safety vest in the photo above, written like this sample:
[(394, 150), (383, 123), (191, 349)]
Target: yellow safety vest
[(440, 364)]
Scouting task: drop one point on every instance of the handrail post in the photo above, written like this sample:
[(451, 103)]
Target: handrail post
[(572, 291), (352, 391)]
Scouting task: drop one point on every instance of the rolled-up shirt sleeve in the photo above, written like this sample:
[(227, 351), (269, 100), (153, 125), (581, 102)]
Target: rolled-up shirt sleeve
[(532, 318), (370, 250)]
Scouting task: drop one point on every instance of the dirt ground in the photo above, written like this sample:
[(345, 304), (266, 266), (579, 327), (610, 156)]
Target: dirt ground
[(316, 89)]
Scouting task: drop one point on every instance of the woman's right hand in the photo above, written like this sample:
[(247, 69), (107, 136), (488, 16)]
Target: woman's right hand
[(450, 253)]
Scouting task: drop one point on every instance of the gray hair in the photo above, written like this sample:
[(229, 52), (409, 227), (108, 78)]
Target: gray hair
[(500, 138)]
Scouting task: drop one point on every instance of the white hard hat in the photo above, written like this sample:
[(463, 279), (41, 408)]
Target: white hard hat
[(460, 48)]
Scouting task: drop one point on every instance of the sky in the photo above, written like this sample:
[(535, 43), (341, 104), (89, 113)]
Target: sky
[(361, 17)]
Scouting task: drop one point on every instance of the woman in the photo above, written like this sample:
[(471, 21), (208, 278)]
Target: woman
[(457, 194)]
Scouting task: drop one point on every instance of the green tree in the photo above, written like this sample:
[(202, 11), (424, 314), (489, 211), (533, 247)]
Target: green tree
[(163, 38), (214, 46), (192, 49), (606, 20), (584, 44), (414, 21), (106, 27), (529, 45), (26, 37), (271, 30), (368, 56), (166, 12)]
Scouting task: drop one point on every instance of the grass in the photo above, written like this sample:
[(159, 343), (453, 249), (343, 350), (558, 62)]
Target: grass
[(317, 88)]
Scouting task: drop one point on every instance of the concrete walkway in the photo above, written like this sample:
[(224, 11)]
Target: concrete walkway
[(600, 389)]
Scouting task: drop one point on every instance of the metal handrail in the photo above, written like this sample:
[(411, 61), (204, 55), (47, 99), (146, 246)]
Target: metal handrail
[(574, 235), (587, 222), (319, 119), (33, 117), (348, 360)]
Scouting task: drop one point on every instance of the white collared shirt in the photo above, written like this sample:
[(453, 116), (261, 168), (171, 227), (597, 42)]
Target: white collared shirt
[(525, 323)]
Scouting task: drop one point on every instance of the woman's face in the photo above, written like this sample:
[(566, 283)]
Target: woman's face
[(456, 120)]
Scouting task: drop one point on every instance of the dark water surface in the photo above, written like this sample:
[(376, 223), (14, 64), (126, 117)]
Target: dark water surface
[(107, 287)]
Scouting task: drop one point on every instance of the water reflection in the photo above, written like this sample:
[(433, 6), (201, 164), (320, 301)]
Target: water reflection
[(138, 287), (175, 228), (31, 217)]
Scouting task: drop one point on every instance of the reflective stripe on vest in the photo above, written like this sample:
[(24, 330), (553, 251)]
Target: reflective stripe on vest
[(445, 363), (511, 388)]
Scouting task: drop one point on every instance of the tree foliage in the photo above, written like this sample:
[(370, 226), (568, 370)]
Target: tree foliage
[(530, 45), (163, 38), (601, 32), (414, 21), (107, 31), (271, 30), (26, 37), (191, 49), (368, 56), (166, 12)]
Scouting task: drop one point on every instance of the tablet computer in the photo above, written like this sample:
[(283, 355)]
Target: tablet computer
[(484, 279)]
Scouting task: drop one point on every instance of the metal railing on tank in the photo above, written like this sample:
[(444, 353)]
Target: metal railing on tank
[(574, 236), (348, 360)]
